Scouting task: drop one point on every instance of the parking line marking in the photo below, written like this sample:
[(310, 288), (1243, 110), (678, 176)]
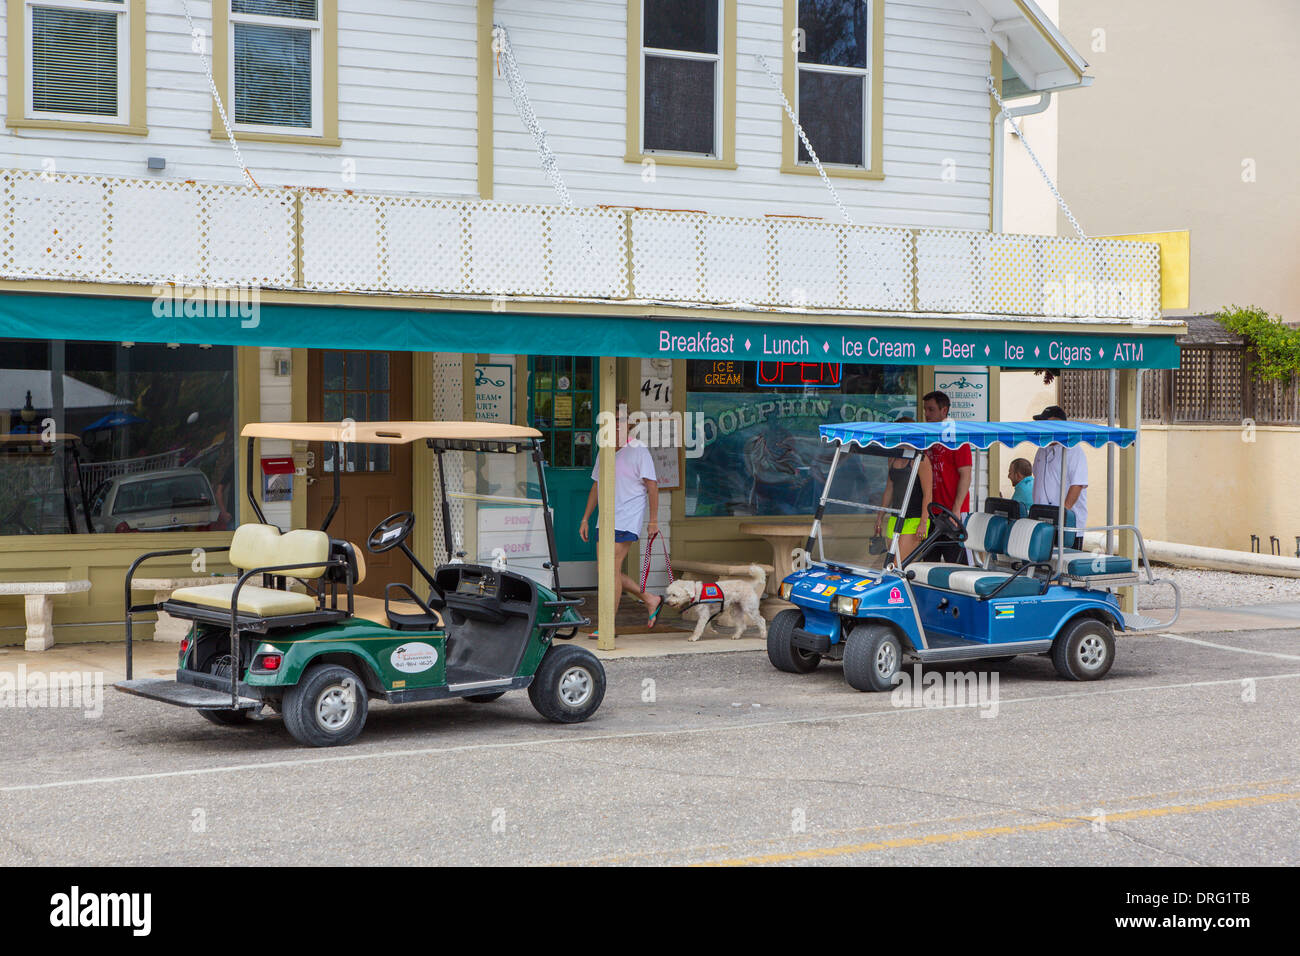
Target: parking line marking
[(626, 735), (1041, 826), (1228, 647)]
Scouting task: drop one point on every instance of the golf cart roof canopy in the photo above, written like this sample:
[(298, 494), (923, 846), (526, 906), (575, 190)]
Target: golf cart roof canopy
[(981, 435), (390, 433)]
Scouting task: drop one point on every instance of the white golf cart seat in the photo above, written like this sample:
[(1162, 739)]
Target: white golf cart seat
[(1022, 540), (261, 546)]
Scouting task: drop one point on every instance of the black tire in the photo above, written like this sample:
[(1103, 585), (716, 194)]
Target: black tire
[(484, 698), (226, 718), (1084, 650), (780, 644), (873, 655), (569, 685), (317, 721)]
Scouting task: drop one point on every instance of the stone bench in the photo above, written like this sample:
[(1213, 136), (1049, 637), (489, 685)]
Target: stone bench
[(40, 607), (169, 628), (723, 569)]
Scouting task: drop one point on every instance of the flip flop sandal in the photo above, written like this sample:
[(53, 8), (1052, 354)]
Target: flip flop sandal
[(654, 615)]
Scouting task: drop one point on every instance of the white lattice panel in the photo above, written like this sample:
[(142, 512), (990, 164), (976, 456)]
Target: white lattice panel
[(1009, 271), (57, 227), (340, 242), (945, 270), (248, 236), (878, 268), (588, 253), (425, 246), (807, 259), (155, 231), (507, 249), (666, 252), (735, 260)]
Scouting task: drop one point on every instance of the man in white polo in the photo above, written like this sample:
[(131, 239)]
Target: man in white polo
[(1047, 473)]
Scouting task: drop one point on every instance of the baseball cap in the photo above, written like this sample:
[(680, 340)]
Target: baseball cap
[(1052, 412)]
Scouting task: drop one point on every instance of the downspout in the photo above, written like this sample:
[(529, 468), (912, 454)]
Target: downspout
[(1044, 101)]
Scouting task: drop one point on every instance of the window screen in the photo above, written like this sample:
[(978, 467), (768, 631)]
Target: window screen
[(679, 104), (680, 75), (74, 60), (830, 109), (834, 63)]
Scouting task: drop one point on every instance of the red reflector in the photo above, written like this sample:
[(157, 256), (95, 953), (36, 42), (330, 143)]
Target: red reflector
[(271, 662), (122, 526), (185, 644)]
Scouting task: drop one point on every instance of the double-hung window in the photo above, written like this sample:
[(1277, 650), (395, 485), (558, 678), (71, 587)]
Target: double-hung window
[(686, 89), (836, 83), (276, 66), (78, 60)]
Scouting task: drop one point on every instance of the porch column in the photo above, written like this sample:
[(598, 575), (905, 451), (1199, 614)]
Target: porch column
[(1130, 416), (606, 573)]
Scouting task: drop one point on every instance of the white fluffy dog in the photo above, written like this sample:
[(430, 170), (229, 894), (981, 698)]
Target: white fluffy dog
[(738, 607)]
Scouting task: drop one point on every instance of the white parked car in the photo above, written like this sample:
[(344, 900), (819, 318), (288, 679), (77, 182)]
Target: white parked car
[(174, 498)]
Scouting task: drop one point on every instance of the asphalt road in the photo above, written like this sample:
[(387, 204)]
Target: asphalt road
[(1188, 753)]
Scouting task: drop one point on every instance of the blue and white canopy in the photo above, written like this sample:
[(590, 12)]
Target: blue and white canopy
[(982, 435)]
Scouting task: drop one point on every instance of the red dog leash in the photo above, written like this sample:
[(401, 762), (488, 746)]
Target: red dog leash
[(649, 553)]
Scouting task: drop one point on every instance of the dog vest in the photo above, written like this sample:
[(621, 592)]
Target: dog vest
[(710, 594)]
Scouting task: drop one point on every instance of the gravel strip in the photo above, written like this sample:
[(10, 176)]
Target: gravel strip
[(1202, 588)]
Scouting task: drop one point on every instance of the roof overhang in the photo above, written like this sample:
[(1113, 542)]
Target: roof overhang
[(1036, 56)]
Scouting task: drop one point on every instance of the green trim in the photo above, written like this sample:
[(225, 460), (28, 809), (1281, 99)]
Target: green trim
[(836, 338)]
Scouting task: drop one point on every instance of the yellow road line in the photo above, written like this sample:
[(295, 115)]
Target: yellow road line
[(1036, 827)]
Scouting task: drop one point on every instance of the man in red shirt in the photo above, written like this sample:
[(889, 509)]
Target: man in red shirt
[(951, 471)]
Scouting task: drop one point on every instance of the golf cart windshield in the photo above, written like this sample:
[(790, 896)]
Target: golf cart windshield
[(495, 509)]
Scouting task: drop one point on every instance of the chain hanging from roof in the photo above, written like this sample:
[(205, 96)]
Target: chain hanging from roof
[(1060, 200), (519, 93), (199, 46)]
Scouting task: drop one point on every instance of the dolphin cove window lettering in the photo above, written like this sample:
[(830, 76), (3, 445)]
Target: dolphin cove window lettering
[(681, 81), (833, 96), (762, 453), (103, 437)]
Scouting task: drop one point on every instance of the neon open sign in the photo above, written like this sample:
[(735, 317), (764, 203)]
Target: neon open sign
[(800, 374)]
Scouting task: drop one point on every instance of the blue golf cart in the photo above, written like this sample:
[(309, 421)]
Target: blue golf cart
[(1032, 589)]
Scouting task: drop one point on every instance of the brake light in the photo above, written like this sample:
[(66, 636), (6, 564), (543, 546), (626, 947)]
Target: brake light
[(185, 644), (270, 662), (122, 526)]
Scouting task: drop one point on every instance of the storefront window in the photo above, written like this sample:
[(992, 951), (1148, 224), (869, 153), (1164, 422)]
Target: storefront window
[(111, 437), (762, 451)]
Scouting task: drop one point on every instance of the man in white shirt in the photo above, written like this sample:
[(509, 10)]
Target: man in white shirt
[(1047, 473), (636, 493)]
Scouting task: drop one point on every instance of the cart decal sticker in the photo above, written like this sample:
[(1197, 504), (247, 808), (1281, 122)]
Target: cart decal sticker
[(832, 577), (414, 657), (1004, 611), (819, 589), (815, 574), (829, 591), (895, 596), (398, 683)]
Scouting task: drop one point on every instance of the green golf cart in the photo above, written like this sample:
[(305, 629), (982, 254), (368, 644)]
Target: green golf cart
[(292, 635)]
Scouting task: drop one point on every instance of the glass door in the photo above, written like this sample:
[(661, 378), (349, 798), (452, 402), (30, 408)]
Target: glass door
[(562, 397)]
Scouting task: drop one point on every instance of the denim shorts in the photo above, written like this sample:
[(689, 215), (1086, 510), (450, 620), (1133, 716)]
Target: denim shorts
[(620, 537)]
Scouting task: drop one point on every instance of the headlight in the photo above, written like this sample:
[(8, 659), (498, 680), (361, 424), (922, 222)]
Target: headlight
[(786, 588), (847, 605)]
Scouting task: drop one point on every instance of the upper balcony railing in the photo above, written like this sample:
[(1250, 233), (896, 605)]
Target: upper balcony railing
[(99, 229)]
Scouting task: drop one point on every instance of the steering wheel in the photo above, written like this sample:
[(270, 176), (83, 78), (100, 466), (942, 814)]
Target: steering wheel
[(946, 523), (390, 532)]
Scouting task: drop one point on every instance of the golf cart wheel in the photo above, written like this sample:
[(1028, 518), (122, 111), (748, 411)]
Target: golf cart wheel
[(569, 685), (780, 645), (873, 655), (327, 707), (1084, 650), (226, 718), (484, 698)]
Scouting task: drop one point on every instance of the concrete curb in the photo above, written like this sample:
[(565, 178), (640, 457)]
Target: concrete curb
[(1215, 559)]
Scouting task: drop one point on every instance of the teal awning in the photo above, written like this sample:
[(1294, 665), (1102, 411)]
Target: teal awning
[(100, 318)]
